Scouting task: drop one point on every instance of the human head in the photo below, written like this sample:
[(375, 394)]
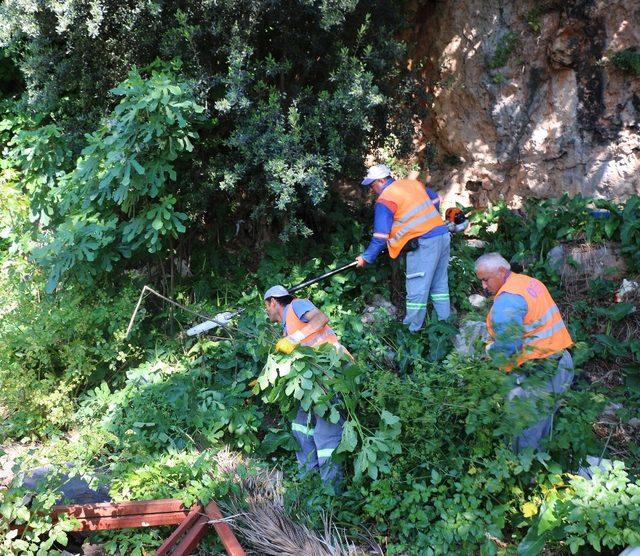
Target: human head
[(376, 177), (276, 298), (492, 270)]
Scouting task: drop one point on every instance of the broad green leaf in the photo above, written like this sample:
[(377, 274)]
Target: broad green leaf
[(349, 438)]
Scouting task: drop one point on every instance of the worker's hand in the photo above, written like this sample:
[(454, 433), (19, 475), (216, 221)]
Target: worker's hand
[(285, 345), (361, 262)]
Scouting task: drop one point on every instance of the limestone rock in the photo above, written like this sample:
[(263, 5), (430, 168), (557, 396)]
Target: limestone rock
[(74, 489), (379, 309), (477, 300), (476, 243), (573, 262), (609, 414), (555, 117), (472, 338)]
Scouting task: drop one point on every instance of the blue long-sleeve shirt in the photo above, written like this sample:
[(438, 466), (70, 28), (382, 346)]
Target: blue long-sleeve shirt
[(383, 221), (507, 319)]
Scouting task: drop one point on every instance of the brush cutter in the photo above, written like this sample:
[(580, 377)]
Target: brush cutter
[(223, 319)]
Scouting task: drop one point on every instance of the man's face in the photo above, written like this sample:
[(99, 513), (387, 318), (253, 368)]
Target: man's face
[(271, 306), (492, 280), (377, 186)]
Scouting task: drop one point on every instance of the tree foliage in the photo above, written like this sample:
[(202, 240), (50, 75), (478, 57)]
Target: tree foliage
[(120, 198), (272, 101)]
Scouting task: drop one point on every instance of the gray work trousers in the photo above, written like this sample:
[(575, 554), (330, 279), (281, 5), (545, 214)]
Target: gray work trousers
[(427, 275), (318, 438), (559, 383)]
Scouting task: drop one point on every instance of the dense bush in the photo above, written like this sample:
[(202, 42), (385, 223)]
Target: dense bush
[(53, 348), (427, 454), (121, 197), (155, 141), (293, 93)]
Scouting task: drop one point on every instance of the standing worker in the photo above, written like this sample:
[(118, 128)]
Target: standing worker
[(407, 219), (527, 331), (303, 323)]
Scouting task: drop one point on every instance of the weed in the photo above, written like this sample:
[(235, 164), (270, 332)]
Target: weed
[(506, 46)]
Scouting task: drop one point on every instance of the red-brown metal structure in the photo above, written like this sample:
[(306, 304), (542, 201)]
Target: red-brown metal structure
[(122, 515), (192, 523), (194, 527)]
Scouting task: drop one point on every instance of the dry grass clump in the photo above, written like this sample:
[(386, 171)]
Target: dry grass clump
[(267, 528)]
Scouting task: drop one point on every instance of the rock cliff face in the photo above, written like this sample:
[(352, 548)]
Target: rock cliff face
[(524, 98)]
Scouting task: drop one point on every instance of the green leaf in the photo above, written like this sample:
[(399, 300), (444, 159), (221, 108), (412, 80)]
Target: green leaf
[(548, 519), (349, 438), (23, 513), (533, 542), (334, 416), (137, 166), (51, 284), (61, 537), (389, 418)]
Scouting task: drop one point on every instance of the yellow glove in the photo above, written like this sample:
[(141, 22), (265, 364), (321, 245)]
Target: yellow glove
[(285, 345)]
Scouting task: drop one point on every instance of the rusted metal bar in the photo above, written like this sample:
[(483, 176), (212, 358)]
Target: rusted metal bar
[(229, 540), (192, 537), (131, 521), (117, 509), (197, 529), (192, 524), (194, 515)]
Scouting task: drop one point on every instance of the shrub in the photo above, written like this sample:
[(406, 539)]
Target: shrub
[(627, 60), (506, 45)]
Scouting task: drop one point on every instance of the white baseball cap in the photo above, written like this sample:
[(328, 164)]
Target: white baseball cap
[(276, 291), (376, 172)]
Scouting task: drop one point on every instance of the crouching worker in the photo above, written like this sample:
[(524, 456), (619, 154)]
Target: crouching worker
[(527, 333), (304, 324)]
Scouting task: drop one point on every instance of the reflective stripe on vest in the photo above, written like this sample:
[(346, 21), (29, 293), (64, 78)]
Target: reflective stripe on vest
[(547, 333), (544, 330), (543, 320), (412, 225), (415, 215), (322, 336), (414, 211)]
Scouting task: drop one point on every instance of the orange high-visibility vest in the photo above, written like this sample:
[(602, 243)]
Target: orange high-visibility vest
[(322, 336), (414, 217), (544, 330)]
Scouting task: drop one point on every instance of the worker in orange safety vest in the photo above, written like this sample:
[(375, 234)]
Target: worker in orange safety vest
[(526, 330), (407, 220), (304, 324)]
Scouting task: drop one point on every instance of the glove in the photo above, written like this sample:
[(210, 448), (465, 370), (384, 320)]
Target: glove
[(285, 345)]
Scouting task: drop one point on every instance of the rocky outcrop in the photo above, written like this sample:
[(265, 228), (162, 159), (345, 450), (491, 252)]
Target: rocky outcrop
[(524, 99)]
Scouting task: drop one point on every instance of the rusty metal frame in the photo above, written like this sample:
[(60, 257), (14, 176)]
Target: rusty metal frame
[(192, 523)]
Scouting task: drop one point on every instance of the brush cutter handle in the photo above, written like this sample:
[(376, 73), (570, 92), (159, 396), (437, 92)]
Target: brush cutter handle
[(322, 277)]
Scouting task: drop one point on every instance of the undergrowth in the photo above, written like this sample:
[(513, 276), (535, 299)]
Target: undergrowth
[(427, 456)]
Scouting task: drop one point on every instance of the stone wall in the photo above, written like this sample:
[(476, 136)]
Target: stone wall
[(557, 117)]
